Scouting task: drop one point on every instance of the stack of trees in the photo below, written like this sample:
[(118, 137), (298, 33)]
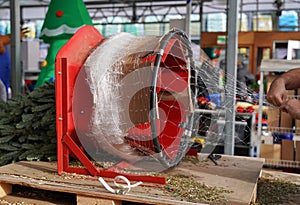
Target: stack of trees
[(27, 126)]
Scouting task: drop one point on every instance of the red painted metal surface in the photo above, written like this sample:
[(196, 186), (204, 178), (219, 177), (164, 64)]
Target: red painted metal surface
[(69, 61), (169, 133), (173, 78)]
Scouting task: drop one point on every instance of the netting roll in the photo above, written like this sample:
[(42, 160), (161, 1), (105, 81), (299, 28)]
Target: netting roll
[(133, 100)]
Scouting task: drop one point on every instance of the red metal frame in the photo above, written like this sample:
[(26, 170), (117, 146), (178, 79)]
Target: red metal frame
[(69, 61), (174, 79)]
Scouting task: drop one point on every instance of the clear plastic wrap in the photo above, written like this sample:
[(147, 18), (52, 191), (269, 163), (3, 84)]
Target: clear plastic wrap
[(114, 122)]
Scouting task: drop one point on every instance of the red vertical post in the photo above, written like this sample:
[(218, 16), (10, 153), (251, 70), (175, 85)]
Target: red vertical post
[(59, 113)]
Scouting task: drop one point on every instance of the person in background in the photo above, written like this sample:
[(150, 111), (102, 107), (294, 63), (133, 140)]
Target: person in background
[(244, 77), (277, 93), (4, 67)]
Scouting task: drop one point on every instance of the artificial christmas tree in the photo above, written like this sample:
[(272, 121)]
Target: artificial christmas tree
[(62, 20)]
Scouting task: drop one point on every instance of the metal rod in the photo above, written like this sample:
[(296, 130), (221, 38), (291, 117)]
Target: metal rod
[(16, 71), (188, 18), (260, 108), (241, 15), (205, 111), (252, 135), (231, 65), (222, 122)]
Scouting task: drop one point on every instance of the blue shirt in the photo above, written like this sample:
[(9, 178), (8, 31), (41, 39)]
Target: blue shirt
[(5, 68)]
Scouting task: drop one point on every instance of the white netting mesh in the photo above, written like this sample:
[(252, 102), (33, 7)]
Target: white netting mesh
[(114, 123), (150, 116), (217, 86)]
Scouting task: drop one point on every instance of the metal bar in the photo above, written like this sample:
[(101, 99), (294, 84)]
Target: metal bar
[(205, 111), (109, 5), (59, 116), (201, 28), (252, 135), (188, 18), (63, 68), (257, 19), (231, 65), (260, 108), (241, 16), (80, 155), (222, 122), (16, 71)]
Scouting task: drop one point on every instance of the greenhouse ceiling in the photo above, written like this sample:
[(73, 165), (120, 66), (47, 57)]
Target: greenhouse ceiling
[(136, 9)]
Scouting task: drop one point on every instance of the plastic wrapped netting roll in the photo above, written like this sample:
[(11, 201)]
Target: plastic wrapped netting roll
[(133, 100)]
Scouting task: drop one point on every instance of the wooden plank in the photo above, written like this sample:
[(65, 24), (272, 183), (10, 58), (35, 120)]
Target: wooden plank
[(266, 38), (210, 39), (236, 174), (84, 200), (254, 195), (42, 175), (27, 195), (5, 189)]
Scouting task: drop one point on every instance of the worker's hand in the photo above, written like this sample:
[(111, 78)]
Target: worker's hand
[(292, 107), (277, 92)]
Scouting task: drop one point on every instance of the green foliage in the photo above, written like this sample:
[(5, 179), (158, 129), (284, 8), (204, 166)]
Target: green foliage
[(27, 126)]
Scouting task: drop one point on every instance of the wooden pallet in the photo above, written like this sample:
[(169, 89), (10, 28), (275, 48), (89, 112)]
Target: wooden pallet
[(237, 174)]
